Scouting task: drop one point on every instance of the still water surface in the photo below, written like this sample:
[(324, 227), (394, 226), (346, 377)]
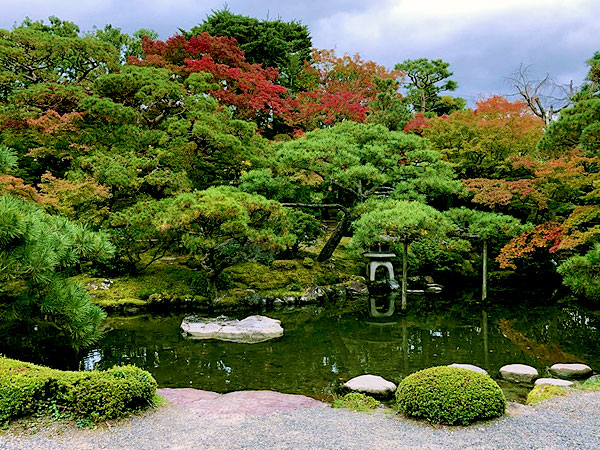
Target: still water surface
[(322, 346)]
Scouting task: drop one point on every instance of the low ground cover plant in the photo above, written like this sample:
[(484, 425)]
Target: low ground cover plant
[(91, 395), (356, 402), (450, 396)]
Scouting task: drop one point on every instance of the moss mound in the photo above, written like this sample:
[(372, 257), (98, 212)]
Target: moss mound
[(356, 402), (544, 392), (96, 395), (450, 396)]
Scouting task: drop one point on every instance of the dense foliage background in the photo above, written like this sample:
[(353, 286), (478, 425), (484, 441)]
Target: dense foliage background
[(236, 141)]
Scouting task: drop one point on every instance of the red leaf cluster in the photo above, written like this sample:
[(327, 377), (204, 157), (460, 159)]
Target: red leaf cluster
[(547, 234)]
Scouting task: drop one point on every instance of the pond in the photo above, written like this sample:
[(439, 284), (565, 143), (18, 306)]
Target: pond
[(323, 346)]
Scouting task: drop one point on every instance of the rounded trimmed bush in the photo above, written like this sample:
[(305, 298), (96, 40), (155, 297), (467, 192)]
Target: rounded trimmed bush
[(96, 395), (450, 396)]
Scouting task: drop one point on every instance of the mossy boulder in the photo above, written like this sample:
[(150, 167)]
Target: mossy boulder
[(450, 396), (95, 395)]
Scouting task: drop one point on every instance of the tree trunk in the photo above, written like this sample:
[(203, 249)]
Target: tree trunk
[(484, 274), (404, 273), (335, 237)]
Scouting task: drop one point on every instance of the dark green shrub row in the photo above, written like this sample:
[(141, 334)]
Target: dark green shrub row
[(96, 395), (450, 395)]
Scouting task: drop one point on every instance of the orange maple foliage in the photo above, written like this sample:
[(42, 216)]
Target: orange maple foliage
[(545, 235), (336, 89)]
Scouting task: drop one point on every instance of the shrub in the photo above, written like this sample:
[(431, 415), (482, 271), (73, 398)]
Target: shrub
[(356, 402), (97, 395), (450, 395)]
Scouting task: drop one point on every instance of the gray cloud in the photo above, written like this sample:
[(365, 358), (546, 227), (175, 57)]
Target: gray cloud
[(483, 41)]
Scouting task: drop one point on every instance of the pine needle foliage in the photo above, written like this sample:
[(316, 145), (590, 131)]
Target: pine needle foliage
[(37, 253)]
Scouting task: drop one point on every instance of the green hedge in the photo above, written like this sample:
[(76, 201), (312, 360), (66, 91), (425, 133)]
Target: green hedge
[(96, 395), (450, 395)]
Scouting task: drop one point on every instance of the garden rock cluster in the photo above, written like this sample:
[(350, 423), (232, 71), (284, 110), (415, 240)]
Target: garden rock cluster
[(521, 373)]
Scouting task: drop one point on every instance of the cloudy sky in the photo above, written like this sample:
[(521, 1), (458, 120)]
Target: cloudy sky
[(484, 41)]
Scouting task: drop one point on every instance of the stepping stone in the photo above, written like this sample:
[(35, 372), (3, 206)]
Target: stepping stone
[(248, 331), (470, 367), (553, 382), (371, 384), (519, 373), (571, 370)]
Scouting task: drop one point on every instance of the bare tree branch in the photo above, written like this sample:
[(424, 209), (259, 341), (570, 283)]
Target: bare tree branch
[(545, 97)]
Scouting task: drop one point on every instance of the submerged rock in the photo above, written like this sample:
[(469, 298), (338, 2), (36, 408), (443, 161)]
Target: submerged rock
[(519, 373), (571, 370), (249, 330), (371, 384), (470, 367)]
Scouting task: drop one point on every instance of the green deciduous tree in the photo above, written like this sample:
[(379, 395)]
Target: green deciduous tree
[(479, 142)]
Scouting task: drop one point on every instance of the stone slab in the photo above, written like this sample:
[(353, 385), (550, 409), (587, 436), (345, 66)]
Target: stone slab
[(470, 367), (371, 384), (519, 373), (250, 330), (553, 382), (575, 370), (246, 403)]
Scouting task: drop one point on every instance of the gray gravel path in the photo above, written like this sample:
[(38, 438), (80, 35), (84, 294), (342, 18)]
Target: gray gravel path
[(571, 422)]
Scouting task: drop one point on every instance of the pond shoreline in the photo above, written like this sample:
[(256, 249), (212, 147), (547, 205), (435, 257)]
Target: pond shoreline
[(567, 422)]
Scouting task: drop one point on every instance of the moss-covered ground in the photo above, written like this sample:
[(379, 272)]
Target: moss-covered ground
[(169, 282), (542, 392)]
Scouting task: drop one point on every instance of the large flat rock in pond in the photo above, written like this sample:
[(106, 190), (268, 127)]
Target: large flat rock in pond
[(248, 403), (571, 370), (250, 330), (519, 373), (371, 384)]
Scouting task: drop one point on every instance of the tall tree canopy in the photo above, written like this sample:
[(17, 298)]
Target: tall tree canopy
[(579, 125), (480, 142), (271, 43), (349, 163), (425, 80)]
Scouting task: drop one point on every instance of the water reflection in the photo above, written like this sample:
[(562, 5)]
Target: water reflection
[(390, 305), (321, 346)]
